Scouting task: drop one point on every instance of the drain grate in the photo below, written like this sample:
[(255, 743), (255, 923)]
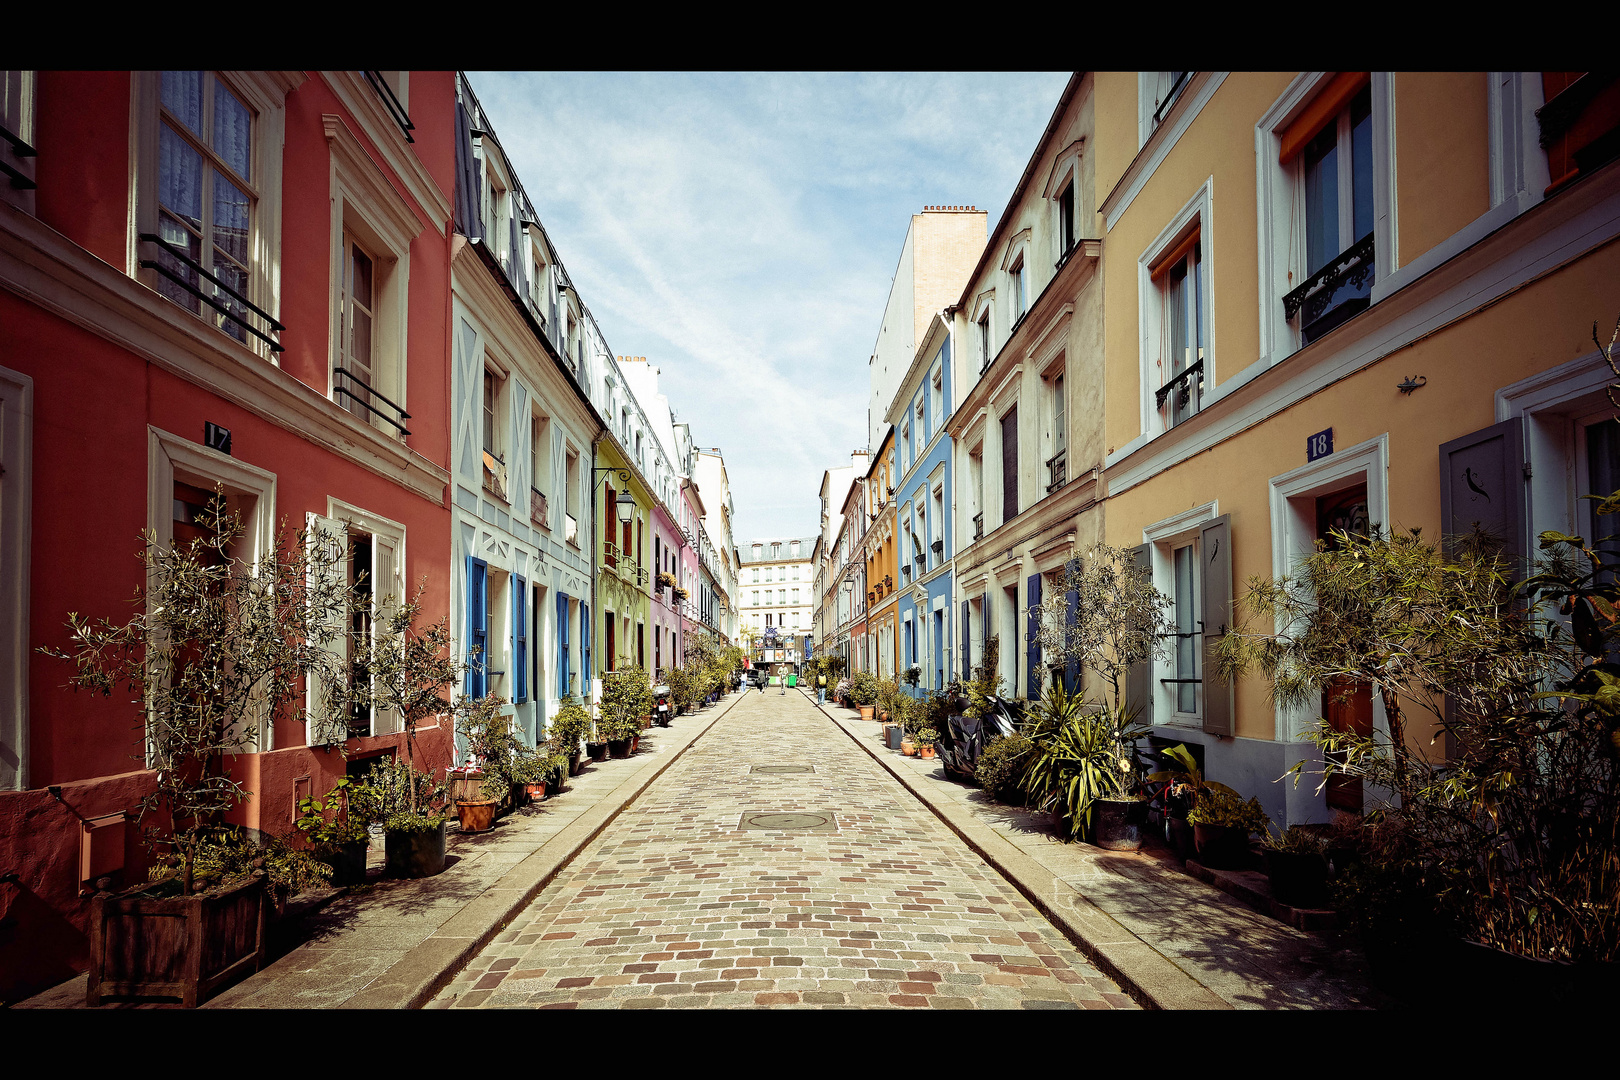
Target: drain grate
[(788, 821), (777, 769)]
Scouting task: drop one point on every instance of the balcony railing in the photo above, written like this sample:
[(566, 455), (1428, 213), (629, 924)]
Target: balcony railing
[(495, 475), (1314, 300), (237, 317), (978, 526), (359, 392), (391, 103), (538, 508), (1188, 388), (571, 529), (610, 554), (1056, 471)]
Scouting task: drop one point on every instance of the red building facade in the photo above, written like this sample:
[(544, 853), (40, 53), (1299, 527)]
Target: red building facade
[(312, 212)]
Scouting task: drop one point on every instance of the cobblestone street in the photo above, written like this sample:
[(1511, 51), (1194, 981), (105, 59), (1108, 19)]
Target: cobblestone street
[(775, 864)]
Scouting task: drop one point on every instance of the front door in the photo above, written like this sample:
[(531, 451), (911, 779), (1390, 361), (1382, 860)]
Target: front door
[(1346, 705)]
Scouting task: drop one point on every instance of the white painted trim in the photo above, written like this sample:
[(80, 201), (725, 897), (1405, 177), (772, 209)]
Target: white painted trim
[(44, 267), (1453, 245), (362, 103), (1188, 105), (16, 543), (169, 456), (1196, 213), (1176, 524), (1293, 535), (1560, 230)]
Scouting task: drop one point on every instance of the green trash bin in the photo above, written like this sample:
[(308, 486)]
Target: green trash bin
[(793, 679)]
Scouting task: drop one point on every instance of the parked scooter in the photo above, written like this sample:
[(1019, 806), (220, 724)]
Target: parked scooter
[(663, 711), (965, 737)]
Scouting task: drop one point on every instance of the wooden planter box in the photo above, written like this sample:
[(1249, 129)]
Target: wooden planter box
[(182, 946)]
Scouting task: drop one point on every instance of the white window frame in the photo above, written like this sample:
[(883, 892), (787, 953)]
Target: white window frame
[(1152, 88), (501, 409), (16, 527), (384, 532), (1281, 204), (984, 320), (169, 458), (1153, 298), (366, 206), (1163, 538), (265, 93)]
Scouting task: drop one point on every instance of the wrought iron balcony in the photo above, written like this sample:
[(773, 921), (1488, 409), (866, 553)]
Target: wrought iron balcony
[(495, 475), (238, 318), (538, 507), (391, 103), (1056, 471), (978, 526), (1188, 388), (1314, 300), (357, 391)]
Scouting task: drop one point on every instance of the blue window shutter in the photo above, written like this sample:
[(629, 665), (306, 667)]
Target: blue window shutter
[(562, 645), (1071, 672), (520, 642), (1033, 640), (585, 640), (477, 627)]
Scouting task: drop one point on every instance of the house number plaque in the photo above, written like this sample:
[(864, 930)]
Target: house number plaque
[(216, 437), (1319, 445)]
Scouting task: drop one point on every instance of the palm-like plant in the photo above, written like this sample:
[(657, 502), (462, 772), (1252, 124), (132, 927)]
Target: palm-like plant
[(1082, 754)]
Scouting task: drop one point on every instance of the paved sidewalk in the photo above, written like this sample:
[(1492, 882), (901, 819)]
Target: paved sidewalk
[(1169, 939), (394, 943)]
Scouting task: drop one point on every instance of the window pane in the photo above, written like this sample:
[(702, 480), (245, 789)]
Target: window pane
[(1178, 322), (178, 236), (233, 130), (1322, 199), (179, 178), (182, 96), (361, 282), (236, 278), (1361, 161), (231, 217), (1186, 625)]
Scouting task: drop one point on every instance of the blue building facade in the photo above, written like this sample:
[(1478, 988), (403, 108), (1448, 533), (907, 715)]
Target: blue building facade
[(923, 513)]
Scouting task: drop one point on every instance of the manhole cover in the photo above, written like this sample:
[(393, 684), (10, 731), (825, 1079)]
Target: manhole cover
[(784, 768), (788, 820)]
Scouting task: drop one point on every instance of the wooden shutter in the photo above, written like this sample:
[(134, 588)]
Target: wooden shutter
[(1482, 480), (1032, 639), (324, 720), (477, 627), (1139, 679), (387, 593), (520, 640), (1215, 608), (1071, 671), (1009, 465), (967, 648), (585, 649)]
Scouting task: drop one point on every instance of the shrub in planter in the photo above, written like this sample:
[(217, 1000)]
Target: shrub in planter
[(863, 692), (410, 806), (340, 840), (1081, 754), (1221, 826), (1002, 766), (1296, 861)]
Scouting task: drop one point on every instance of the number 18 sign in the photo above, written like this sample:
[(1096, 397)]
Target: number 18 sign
[(1319, 445)]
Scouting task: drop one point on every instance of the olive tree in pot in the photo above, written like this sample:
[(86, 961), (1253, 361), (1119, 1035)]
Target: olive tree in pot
[(494, 753), (863, 693), (217, 650), (1497, 814), (570, 727), (626, 698)]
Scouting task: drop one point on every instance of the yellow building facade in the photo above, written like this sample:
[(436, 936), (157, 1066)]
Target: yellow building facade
[(882, 563), (1342, 299)]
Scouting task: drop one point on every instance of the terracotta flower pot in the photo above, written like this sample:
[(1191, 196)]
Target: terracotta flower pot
[(477, 815), (907, 747), (536, 792), (866, 711), (925, 751)]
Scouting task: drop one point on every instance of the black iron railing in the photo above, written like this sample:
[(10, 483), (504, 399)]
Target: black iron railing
[(391, 103), (1056, 470), (1189, 390), (1170, 98), (364, 401), (19, 179), (222, 308), (978, 526), (1353, 267)]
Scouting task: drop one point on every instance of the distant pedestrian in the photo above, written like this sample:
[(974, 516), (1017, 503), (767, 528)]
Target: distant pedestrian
[(821, 689)]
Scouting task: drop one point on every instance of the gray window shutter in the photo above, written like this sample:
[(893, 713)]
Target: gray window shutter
[(1009, 465), (467, 187), (1215, 605), (966, 666), (1032, 640), (1482, 480), (1139, 679)]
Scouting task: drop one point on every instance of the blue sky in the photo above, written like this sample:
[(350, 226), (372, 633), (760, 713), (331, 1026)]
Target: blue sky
[(741, 231)]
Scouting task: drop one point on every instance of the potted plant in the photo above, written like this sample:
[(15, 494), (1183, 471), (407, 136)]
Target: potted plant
[(531, 771), (1221, 825), (1001, 768), (912, 675), (493, 749), (925, 742), (568, 729), (411, 808), (1296, 862), (1082, 756), (863, 692), (626, 698), (1184, 785), (216, 651), (341, 840)]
